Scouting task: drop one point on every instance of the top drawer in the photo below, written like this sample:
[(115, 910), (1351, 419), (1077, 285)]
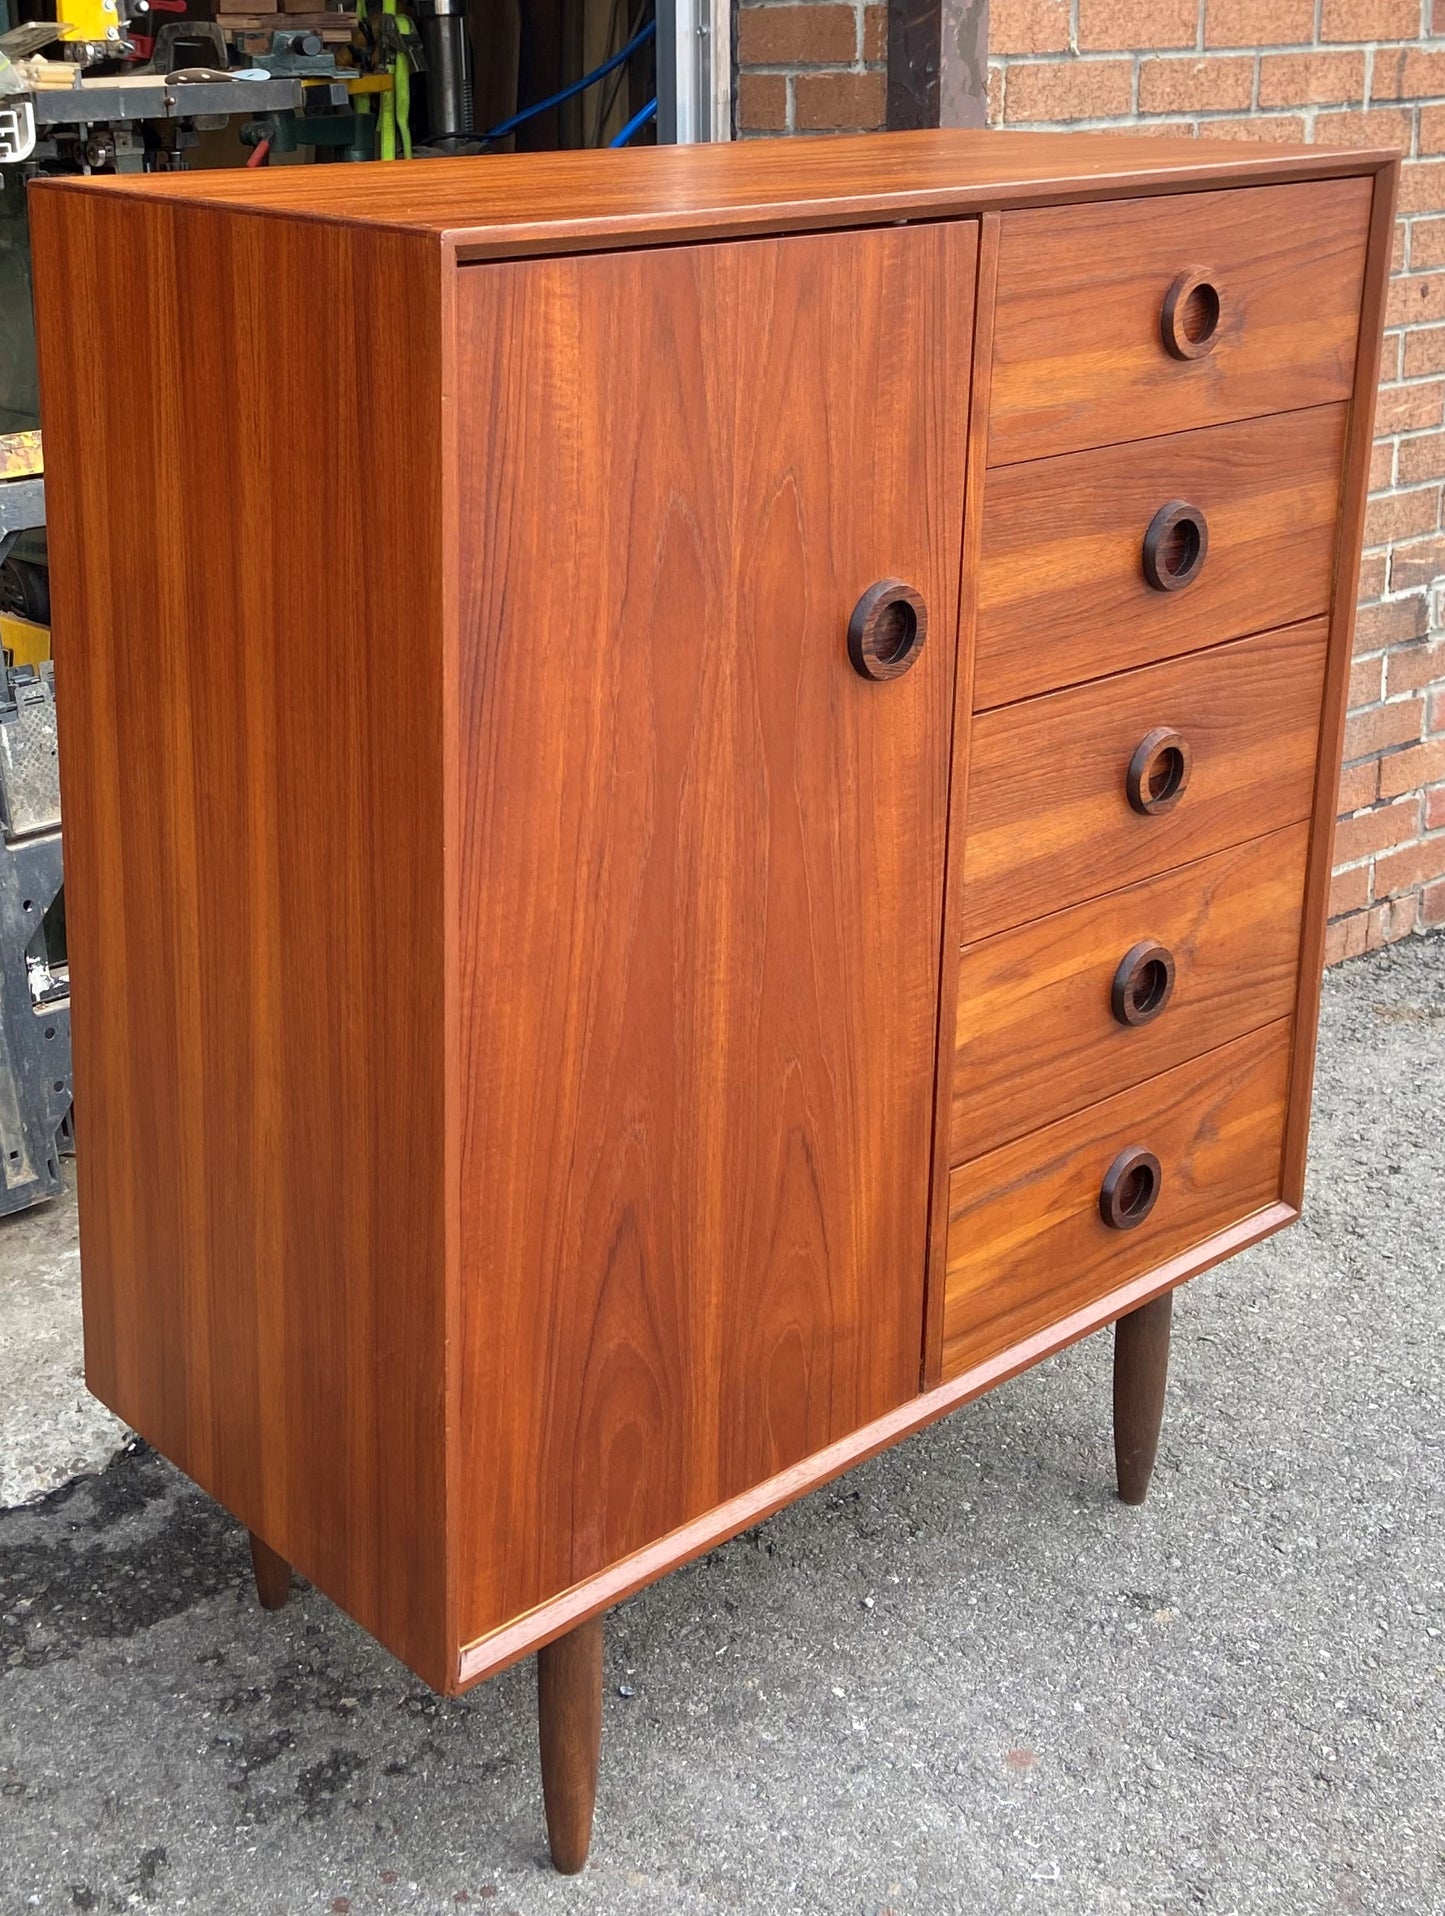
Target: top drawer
[(1084, 306)]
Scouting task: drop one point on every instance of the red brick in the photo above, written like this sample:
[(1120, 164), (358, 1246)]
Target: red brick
[(1413, 866), (1377, 831), (762, 102), (1427, 244), (1382, 465), (1415, 297), (1187, 86), (1402, 515), (794, 36), (1373, 569), (1336, 937), (1414, 668), (1395, 622), (1407, 771), (838, 102), (1277, 127), (1367, 681), (1359, 786), (1422, 185), (1412, 74), (1432, 129), (1108, 26), (875, 33), (1397, 261), (1353, 127), (1424, 351), (1432, 905), (1311, 79), (1028, 26), (1435, 809), (1350, 890), (1381, 727), (1436, 720), (1068, 90), (1410, 408), (1418, 564), (1353, 930), (1422, 456), (1370, 20), (1258, 23), (996, 74)]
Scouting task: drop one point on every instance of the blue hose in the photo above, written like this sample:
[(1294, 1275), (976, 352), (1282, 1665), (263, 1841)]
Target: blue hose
[(639, 39), (636, 123)]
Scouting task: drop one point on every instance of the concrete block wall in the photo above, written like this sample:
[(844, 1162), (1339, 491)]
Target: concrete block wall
[(1334, 72)]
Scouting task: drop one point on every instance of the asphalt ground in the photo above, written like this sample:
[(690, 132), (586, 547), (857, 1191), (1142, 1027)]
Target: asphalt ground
[(963, 1678)]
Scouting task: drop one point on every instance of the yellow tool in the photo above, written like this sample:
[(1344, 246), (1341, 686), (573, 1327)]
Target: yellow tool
[(24, 642)]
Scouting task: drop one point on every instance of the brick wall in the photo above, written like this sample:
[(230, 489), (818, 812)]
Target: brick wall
[(806, 68), (1338, 73)]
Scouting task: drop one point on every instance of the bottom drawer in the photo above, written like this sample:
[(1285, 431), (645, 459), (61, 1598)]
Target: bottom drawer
[(1171, 1162)]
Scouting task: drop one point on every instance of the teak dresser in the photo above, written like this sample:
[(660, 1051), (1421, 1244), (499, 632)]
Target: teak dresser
[(698, 819)]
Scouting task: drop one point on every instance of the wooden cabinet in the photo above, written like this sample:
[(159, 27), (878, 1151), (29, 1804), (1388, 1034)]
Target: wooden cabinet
[(707, 830)]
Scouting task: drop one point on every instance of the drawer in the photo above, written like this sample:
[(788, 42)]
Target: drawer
[(1096, 561), (1082, 792), (1268, 278), (1057, 1014), (1027, 1240)]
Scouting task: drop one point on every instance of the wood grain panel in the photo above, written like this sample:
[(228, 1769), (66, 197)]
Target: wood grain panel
[(252, 781), (1358, 459), (1080, 360), (1049, 821), (1037, 1038), (1062, 595), (702, 873), (1026, 1242), (507, 204)]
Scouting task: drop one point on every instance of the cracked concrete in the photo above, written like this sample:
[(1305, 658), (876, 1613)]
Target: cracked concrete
[(964, 1678)]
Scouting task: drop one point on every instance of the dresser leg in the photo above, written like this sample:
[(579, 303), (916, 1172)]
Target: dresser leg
[(273, 1574), (569, 1718), (1141, 1366)]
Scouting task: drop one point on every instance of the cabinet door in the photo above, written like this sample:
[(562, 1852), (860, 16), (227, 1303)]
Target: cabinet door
[(701, 872)]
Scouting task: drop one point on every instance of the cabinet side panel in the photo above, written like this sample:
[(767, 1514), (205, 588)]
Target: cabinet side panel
[(702, 869), (245, 532)]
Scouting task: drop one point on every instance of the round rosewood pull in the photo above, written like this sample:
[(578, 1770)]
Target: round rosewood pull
[(1158, 774), (1189, 318), (887, 629), (1143, 983), (1130, 1189), (1175, 546)]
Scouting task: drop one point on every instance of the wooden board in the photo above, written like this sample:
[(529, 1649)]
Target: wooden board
[(1080, 360), (1027, 1245), (506, 204), (1062, 593), (702, 865), (1037, 1037), (252, 783), (1049, 821)]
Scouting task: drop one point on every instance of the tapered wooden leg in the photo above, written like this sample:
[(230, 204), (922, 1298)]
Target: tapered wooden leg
[(569, 1718), (273, 1574), (1141, 1366)]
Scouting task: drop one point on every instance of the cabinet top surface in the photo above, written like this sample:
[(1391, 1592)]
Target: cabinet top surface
[(510, 203)]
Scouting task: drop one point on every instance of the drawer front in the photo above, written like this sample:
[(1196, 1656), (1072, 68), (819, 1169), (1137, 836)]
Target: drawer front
[(1055, 784), (1084, 307), (1027, 1239), (1090, 566), (1072, 1008)]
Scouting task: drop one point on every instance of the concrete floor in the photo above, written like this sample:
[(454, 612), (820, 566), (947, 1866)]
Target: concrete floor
[(962, 1679)]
